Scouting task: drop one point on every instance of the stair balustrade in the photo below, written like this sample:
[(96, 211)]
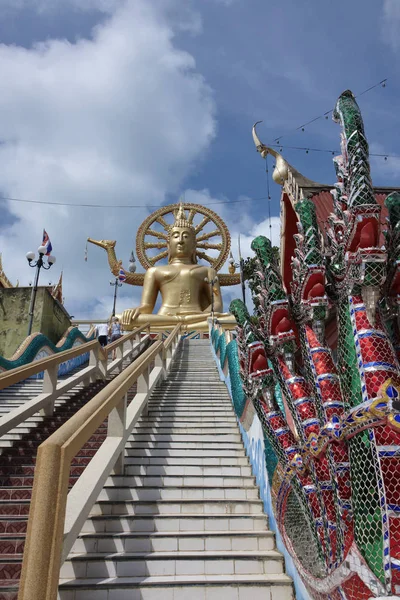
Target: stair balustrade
[(56, 516), (126, 347)]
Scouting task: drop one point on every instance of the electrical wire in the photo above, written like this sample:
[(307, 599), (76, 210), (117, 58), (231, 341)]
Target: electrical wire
[(328, 112), (46, 202), (307, 149), (304, 148), (269, 199)]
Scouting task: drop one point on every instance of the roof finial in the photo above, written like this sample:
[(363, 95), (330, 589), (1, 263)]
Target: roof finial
[(281, 171)]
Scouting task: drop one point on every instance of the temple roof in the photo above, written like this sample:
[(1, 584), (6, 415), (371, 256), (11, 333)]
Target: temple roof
[(55, 290), (323, 201), (295, 187), (4, 281)]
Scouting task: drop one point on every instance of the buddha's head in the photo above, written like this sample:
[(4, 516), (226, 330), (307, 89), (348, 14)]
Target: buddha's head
[(182, 239)]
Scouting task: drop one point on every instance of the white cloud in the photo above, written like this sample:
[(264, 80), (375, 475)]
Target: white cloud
[(118, 119), (391, 23), (262, 228)]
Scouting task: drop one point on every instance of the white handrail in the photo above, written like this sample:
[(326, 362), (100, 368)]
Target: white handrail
[(53, 389)]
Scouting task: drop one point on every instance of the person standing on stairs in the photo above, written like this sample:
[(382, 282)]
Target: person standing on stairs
[(114, 333), (102, 333)]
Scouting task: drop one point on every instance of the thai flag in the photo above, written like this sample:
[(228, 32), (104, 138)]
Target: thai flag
[(47, 243), (122, 275)]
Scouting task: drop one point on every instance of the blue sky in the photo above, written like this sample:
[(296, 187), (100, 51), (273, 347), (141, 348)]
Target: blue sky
[(117, 102)]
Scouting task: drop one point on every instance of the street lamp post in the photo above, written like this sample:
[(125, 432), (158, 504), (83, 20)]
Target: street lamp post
[(39, 264), (212, 282), (116, 285), (239, 265)]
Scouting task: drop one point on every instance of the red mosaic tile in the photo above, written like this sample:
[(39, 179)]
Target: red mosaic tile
[(17, 526), (9, 509), (27, 482), (8, 595), (22, 494), (10, 570), (75, 472), (7, 546), (356, 588)]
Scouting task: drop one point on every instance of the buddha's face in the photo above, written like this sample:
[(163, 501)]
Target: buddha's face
[(182, 243)]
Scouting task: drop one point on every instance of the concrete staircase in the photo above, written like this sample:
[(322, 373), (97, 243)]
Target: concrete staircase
[(185, 521), (18, 449)]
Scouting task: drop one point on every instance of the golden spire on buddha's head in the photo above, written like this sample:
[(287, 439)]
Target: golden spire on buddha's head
[(181, 219)]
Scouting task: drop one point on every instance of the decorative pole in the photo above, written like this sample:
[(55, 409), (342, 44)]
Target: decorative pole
[(116, 285), (232, 268), (39, 264), (212, 282)]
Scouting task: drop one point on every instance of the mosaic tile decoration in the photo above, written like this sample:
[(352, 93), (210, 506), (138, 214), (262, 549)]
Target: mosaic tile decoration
[(331, 420)]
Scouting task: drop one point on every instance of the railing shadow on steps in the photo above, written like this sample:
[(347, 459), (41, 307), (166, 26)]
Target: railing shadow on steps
[(56, 516), (224, 348)]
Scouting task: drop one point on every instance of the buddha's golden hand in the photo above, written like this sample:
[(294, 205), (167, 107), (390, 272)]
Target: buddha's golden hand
[(130, 315)]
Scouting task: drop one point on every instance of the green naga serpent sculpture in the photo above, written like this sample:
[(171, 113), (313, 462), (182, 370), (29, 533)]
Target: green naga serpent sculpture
[(335, 438)]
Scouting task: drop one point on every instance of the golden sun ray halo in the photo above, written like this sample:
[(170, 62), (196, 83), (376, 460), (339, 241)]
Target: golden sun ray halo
[(149, 237)]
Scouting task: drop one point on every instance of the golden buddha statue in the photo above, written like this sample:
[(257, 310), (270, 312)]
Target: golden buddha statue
[(190, 292)]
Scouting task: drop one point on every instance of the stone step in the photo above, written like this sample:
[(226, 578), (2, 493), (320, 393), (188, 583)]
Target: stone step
[(197, 461), (175, 494), (14, 524), (25, 465), (159, 507), (185, 521), (194, 432), (163, 471), (196, 390), (172, 523), (195, 438), (182, 444), (185, 541), (190, 405), (213, 388), (182, 453), (199, 389), (33, 433), (202, 587), (187, 421), (129, 564), (178, 393), (181, 369), (158, 413), (190, 401)]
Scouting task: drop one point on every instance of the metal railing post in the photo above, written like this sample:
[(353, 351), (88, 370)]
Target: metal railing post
[(116, 428), (49, 387), (143, 386), (120, 354), (160, 362), (98, 360)]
